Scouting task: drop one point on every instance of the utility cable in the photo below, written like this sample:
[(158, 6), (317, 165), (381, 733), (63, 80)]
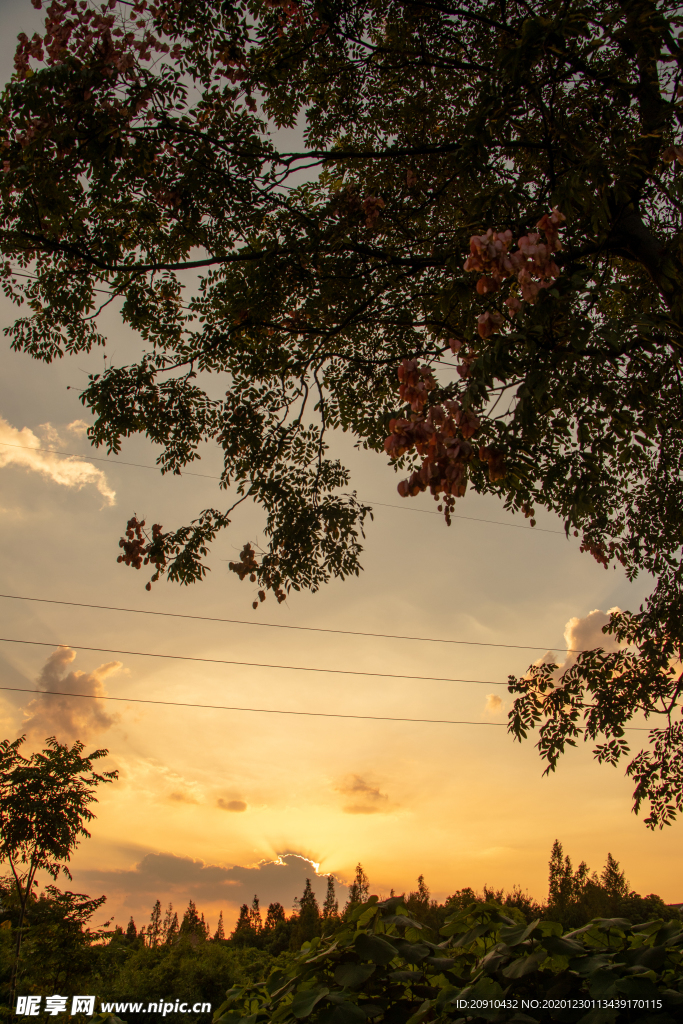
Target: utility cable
[(259, 711), (209, 476), (280, 625), (254, 664), (269, 711)]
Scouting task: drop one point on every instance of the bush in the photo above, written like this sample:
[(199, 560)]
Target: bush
[(383, 965)]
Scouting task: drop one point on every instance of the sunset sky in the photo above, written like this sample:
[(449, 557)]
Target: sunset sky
[(219, 805)]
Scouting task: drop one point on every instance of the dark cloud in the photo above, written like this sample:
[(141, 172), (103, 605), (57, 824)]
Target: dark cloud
[(231, 805), (69, 718), (178, 879), (363, 797), (182, 798)]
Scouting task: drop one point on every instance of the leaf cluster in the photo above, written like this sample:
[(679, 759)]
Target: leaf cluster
[(383, 965)]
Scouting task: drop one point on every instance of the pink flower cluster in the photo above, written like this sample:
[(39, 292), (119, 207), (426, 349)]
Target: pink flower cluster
[(441, 437), (532, 264), (76, 29)]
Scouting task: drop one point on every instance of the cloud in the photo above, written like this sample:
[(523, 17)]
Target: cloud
[(78, 427), (182, 798), (166, 876), (364, 798), (583, 633), (231, 805), (69, 718), (494, 704), (17, 448)]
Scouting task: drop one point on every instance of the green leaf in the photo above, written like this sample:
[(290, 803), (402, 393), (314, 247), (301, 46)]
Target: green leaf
[(305, 999), (637, 988), (521, 932), (374, 948), (352, 975), (524, 965), (344, 1013), (557, 946), (421, 1013)]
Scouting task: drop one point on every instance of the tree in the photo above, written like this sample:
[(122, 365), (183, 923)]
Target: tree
[(154, 929), (275, 914), (243, 932), (359, 888), (489, 186), (331, 905), (308, 917), (421, 896), (255, 915), (192, 925), (44, 807), (219, 934), (307, 900), (613, 880), (59, 949), (170, 926)]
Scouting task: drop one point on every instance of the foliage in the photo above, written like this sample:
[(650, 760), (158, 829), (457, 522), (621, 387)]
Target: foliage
[(196, 972), (44, 806), (382, 965), (61, 952), (59, 949), (490, 186)]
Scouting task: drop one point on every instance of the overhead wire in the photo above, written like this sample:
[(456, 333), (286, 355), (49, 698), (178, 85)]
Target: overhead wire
[(282, 625), (252, 664), (271, 711), (259, 711)]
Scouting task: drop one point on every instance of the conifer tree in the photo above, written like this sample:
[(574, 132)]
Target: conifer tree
[(190, 924), (154, 930), (613, 880), (131, 930), (219, 934), (275, 914), (170, 926), (331, 904), (255, 915), (243, 926), (308, 900)]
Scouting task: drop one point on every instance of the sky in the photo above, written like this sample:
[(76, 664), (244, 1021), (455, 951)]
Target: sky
[(218, 805)]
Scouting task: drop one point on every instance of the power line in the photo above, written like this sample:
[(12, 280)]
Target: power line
[(254, 664), (280, 625), (268, 711), (209, 476)]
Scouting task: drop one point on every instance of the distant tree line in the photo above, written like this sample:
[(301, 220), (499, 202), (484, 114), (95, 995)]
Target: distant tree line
[(574, 898), (181, 957)]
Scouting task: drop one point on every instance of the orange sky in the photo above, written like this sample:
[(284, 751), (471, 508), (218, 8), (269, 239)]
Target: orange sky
[(461, 804)]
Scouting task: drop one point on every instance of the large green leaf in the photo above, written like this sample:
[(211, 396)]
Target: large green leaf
[(305, 1000), (352, 975), (524, 965), (374, 948)]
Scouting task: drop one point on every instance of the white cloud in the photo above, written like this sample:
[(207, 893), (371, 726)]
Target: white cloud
[(494, 704), (17, 448), (78, 427), (582, 633), (69, 718)]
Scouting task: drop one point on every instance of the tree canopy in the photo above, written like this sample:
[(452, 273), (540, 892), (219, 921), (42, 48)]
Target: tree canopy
[(44, 807), (467, 253)]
